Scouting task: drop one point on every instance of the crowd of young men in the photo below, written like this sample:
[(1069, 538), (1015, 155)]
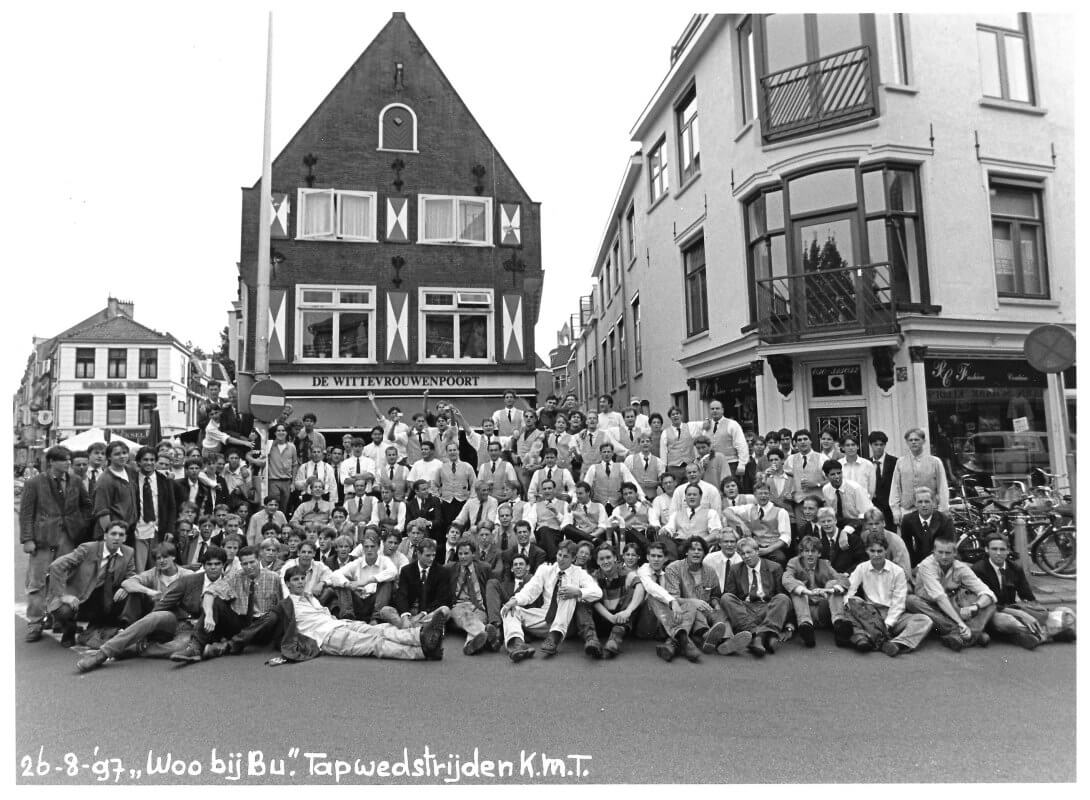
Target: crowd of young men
[(601, 526)]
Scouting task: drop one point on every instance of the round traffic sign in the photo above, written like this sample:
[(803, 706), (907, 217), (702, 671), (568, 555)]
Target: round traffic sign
[(1050, 348), (267, 400)]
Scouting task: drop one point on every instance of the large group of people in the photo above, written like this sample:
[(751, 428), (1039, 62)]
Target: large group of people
[(542, 523)]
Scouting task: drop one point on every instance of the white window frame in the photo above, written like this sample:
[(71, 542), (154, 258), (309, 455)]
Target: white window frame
[(456, 310), (457, 200), (382, 115), (335, 234), (302, 306)]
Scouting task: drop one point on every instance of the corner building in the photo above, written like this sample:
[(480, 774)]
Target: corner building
[(405, 253), (850, 220)]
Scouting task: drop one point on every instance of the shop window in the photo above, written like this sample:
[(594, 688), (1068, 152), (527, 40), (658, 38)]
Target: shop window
[(657, 170), (696, 288), (115, 409), (397, 128), (116, 366), (84, 410), (146, 405), (335, 323), (455, 220), (637, 341), (457, 325), (1018, 243), (85, 362), (688, 136), (1003, 45), (149, 364), (337, 214)]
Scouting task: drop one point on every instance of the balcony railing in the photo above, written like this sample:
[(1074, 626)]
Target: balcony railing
[(832, 91), (823, 303)]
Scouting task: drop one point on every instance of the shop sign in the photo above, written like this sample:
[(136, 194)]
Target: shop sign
[(412, 381), (837, 380), (115, 384), (138, 435), (981, 373)]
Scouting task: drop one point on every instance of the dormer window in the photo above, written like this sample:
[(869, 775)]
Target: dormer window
[(397, 129)]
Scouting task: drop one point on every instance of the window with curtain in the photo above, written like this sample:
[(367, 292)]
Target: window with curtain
[(455, 220), (457, 325), (335, 323), (115, 409), (1018, 239), (116, 363), (637, 344), (84, 413), (747, 71), (85, 362), (337, 214), (149, 364)]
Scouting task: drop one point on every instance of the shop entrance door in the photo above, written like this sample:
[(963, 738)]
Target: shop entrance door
[(850, 421)]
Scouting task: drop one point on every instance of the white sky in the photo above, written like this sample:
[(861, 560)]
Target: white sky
[(133, 127)]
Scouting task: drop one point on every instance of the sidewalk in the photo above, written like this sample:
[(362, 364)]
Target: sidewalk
[(1051, 590)]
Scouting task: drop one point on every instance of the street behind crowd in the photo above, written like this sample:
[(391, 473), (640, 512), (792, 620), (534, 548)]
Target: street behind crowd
[(824, 715)]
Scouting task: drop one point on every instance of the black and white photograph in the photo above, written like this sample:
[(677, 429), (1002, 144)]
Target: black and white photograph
[(543, 395)]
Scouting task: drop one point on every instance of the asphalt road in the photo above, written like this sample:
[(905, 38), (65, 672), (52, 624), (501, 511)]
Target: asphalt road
[(810, 716)]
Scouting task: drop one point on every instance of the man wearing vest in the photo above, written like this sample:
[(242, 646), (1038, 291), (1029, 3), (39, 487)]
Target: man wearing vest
[(804, 467), (768, 524), (546, 518), (585, 520), (630, 520), (565, 485), (605, 479), (676, 448), (645, 467), (727, 438)]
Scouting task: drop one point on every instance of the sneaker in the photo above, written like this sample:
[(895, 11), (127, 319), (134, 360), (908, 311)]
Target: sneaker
[(734, 644), (190, 654), (33, 633), (953, 641), (494, 639), (666, 650), (476, 644), (92, 661), (806, 633), (891, 649), (518, 651), (431, 634), (1026, 640), (842, 633), (552, 644), (714, 636)]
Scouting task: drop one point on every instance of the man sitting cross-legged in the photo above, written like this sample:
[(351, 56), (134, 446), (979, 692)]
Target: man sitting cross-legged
[(676, 616), (693, 582), (622, 593), (816, 589), (754, 600), (955, 599), (559, 586)]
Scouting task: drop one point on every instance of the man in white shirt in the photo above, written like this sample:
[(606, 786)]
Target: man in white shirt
[(847, 498), (608, 419), (356, 464), (560, 586), (394, 432), (565, 486), (662, 506), (546, 518), (858, 469), (585, 520), (886, 587), (725, 557), (318, 576), (645, 467), (769, 524), (676, 618), (315, 468), (313, 504), (727, 438), (427, 467), (365, 584), (606, 477), (508, 419), (496, 472), (709, 495), (693, 520), (630, 431)]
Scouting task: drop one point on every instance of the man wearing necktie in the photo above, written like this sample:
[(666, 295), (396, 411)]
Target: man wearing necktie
[(85, 585), (1014, 596), (559, 586), (665, 609), (156, 513), (753, 599), (468, 579)]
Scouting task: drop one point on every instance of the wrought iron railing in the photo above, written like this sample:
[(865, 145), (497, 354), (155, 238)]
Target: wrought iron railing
[(834, 90), (820, 303)]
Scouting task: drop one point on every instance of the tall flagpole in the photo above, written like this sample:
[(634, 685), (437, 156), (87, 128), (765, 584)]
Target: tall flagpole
[(261, 309)]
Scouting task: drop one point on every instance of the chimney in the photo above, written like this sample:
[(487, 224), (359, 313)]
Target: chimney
[(118, 308)]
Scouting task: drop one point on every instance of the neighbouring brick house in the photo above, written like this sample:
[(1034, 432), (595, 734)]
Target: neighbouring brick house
[(405, 253)]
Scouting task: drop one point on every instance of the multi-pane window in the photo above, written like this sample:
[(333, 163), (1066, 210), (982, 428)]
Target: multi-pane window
[(84, 410), (688, 136), (145, 405), (657, 170), (696, 288), (456, 325), (622, 355), (630, 232), (337, 214), (637, 345), (116, 362), (335, 322), (747, 71), (1003, 46), (115, 409), (455, 220), (85, 362), (149, 363), (1018, 243)]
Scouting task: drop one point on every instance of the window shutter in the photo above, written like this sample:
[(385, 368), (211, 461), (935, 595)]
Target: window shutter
[(512, 328), (397, 326), (510, 224), (278, 314), (281, 208), (397, 219)]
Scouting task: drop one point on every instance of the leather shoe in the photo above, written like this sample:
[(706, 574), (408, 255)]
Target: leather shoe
[(235, 646), (842, 633), (431, 634), (714, 637), (552, 644), (613, 643), (68, 638), (806, 633), (666, 650), (593, 648), (734, 644), (494, 638), (757, 648), (476, 644), (33, 633), (1026, 640), (891, 649), (518, 651), (92, 660), (190, 654), (953, 641), (216, 649), (771, 643)]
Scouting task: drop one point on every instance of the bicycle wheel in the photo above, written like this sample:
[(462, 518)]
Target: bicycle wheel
[(1055, 552)]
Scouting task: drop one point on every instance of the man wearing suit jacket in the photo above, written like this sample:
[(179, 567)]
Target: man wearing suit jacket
[(499, 591), (85, 585), (53, 516), (169, 626), (815, 588), (535, 556), (115, 492), (422, 586), (156, 511), (754, 600), (1009, 584), (468, 579), (189, 487), (919, 528), (884, 464)]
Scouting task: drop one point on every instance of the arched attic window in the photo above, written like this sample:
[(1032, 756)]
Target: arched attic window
[(397, 128)]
